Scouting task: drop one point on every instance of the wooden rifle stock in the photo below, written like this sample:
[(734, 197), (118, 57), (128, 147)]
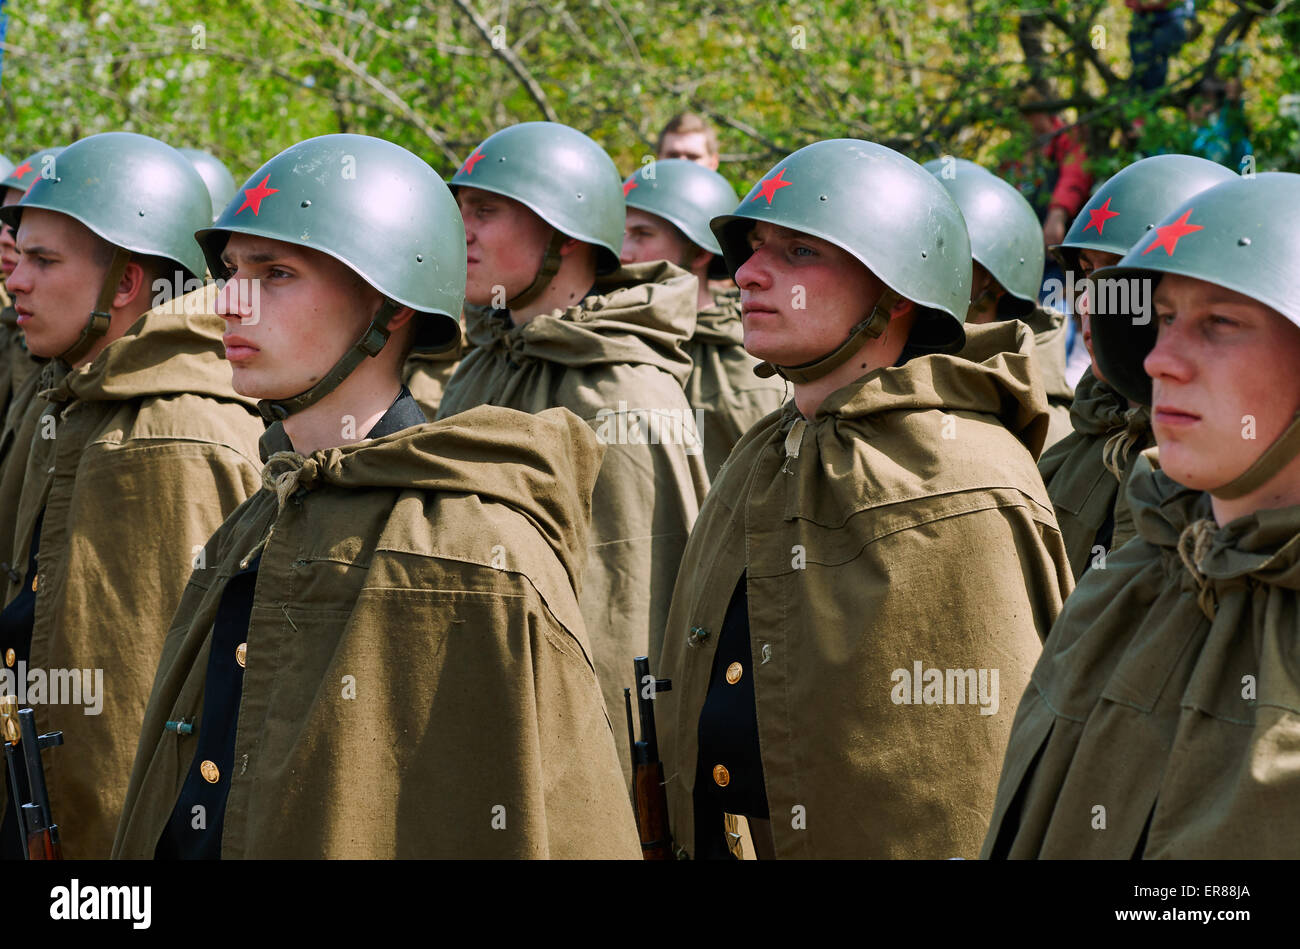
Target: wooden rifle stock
[(40, 833), (648, 793)]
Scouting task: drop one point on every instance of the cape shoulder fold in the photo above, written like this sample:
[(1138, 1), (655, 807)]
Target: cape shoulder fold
[(131, 470), (905, 524), (430, 571), (1167, 695)]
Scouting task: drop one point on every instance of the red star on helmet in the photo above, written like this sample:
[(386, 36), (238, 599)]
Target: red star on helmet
[(769, 187), (1169, 235), (471, 161), (628, 186), (253, 197), (1100, 216), (22, 170)]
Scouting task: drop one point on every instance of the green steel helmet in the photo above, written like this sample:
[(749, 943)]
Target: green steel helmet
[(882, 208), (374, 206), (1006, 238), (559, 174), (1133, 201), (133, 191), (220, 182), (6, 167), (1238, 234), (684, 194), (22, 175)]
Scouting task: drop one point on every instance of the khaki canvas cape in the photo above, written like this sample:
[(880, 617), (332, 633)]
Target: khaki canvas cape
[(1086, 471), (1166, 703), (135, 458), (613, 360), (16, 364), (418, 682), (871, 541), (1048, 327), (722, 383), (22, 420)]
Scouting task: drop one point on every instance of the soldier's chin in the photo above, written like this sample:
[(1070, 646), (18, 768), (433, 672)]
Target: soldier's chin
[(769, 347), (255, 384), (1195, 468), (41, 347)]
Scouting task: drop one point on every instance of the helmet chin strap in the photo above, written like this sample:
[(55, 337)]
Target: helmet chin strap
[(550, 267), (371, 342), (97, 326), (1275, 457), (870, 328)]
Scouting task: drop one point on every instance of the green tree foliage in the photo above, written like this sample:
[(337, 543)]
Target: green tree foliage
[(247, 78)]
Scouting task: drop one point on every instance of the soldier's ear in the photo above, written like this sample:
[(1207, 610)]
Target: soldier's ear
[(133, 287), (400, 318), (901, 308)]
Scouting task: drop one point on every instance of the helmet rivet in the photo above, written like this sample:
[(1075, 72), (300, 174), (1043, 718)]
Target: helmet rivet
[(923, 254), (822, 198), (1243, 242), (579, 195), (141, 213), (306, 204), (1149, 226), (419, 258)]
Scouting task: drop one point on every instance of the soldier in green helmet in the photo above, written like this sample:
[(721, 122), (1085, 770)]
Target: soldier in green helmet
[(383, 654), (17, 365), (1007, 263), (1159, 721), (1086, 472), (669, 206), (884, 542), (131, 455), (220, 182), (556, 321)]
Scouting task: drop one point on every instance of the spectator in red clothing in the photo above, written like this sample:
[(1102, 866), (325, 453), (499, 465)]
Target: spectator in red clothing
[(1054, 180)]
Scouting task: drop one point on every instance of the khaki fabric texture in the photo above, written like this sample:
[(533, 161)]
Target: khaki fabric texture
[(1048, 327), (16, 364), (619, 351), (722, 383), (1086, 472), (22, 421), (149, 450), (437, 567), (871, 541), (1140, 703)]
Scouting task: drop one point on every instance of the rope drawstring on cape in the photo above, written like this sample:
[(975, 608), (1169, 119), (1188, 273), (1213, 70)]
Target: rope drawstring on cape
[(1114, 453), (282, 474), (1193, 545)]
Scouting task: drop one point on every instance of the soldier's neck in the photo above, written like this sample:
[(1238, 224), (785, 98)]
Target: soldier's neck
[(567, 289), (348, 413)]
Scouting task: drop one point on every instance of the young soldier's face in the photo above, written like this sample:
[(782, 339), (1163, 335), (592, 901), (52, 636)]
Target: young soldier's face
[(693, 146), (985, 292), (1223, 380), (8, 248), (55, 283), (504, 242), (306, 311), (1090, 260), (800, 295), (648, 237)]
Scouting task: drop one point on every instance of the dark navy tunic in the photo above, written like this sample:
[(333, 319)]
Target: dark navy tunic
[(728, 737)]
